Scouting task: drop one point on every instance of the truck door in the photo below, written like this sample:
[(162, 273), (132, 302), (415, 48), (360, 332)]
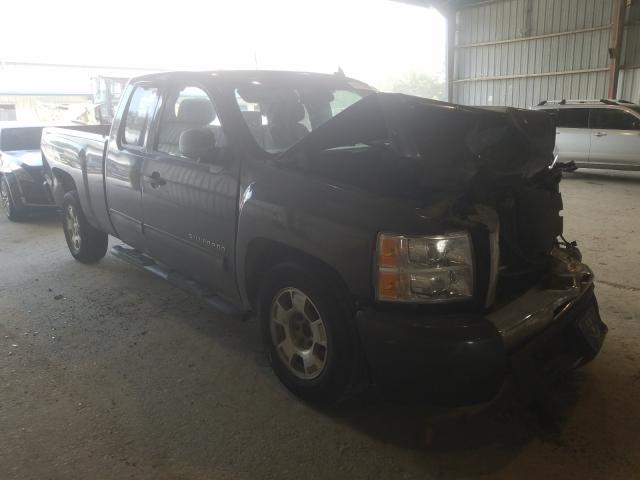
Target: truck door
[(189, 207), (125, 153), (615, 138)]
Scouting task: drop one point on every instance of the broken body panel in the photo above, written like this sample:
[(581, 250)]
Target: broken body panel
[(425, 167), (21, 166), (421, 167)]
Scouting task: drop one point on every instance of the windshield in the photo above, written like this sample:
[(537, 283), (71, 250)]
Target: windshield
[(26, 138), (280, 116)]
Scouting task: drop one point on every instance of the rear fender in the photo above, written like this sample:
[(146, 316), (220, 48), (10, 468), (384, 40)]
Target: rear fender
[(67, 179), (61, 183)]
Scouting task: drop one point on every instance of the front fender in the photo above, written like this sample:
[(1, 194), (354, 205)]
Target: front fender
[(335, 225), (292, 225)]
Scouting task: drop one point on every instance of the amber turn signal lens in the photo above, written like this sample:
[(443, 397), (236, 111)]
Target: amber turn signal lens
[(388, 285), (389, 252), (424, 269)]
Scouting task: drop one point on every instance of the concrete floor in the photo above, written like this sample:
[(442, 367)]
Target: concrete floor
[(108, 373)]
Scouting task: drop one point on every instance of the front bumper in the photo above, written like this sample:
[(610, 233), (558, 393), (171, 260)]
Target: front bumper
[(465, 359), (451, 360), (572, 340)]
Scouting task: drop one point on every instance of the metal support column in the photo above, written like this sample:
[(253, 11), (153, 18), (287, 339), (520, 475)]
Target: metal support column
[(617, 30)]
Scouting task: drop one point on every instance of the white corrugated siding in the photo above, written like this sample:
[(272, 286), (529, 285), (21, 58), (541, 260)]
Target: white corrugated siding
[(630, 85), (566, 58)]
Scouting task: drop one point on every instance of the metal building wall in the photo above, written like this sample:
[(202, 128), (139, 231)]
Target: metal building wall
[(48, 108), (518, 52), (630, 75)]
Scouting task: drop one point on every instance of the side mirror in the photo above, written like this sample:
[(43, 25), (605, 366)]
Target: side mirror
[(198, 144)]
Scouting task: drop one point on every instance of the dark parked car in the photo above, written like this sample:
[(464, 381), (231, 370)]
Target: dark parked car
[(379, 237), (22, 185)]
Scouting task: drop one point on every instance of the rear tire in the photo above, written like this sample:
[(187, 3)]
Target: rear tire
[(12, 210), (307, 333), (86, 244)]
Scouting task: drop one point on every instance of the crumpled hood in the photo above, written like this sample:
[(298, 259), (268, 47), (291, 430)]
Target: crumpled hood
[(419, 146)]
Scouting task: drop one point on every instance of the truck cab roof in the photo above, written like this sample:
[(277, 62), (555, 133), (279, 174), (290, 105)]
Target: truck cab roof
[(233, 76)]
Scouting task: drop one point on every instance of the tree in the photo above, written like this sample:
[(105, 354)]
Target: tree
[(419, 84)]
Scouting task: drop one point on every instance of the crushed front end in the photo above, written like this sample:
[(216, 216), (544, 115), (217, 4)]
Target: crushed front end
[(540, 295), (533, 312), (539, 328)]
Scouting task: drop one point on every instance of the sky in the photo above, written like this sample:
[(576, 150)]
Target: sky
[(371, 40)]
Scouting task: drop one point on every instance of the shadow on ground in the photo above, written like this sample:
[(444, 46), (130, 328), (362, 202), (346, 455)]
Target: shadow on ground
[(45, 218), (461, 441), (595, 176), (468, 441)]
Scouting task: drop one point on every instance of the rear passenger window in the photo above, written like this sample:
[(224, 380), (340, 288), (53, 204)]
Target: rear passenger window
[(573, 118), (138, 116), (612, 119), (187, 108)]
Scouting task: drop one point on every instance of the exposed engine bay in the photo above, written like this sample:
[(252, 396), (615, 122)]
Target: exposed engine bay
[(524, 220), (488, 168)]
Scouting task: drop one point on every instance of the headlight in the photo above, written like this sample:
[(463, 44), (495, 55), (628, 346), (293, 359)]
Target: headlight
[(427, 269)]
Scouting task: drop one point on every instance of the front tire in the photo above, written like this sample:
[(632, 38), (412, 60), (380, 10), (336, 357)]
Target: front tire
[(12, 210), (86, 244), (307, 332)]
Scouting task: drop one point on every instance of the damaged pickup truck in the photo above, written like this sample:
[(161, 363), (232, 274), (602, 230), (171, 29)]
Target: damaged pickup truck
[(380, 238)]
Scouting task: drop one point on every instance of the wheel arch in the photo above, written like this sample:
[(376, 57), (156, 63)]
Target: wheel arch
[(263, 253), (63, 183)]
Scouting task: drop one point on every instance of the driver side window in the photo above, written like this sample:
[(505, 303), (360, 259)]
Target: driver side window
[(187, 108), (139, 112)]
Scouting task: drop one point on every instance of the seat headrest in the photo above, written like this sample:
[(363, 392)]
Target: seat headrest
[(198, 111), (197, 143), (286, 111), (253, 119)]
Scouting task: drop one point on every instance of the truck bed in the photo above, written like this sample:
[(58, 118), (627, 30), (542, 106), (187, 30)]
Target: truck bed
[(75, 155), (92, 132)]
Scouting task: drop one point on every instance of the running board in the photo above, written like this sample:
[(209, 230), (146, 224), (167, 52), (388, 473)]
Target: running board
[(142, 260)]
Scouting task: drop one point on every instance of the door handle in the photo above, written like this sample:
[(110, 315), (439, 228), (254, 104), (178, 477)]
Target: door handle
[(600, 134), (155, 180)]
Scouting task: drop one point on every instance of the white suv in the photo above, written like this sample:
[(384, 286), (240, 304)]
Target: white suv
[(596, 133)]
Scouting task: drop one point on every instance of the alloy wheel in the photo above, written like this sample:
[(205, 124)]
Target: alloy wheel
[(298, 333), (4, 196), (72, 226)]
